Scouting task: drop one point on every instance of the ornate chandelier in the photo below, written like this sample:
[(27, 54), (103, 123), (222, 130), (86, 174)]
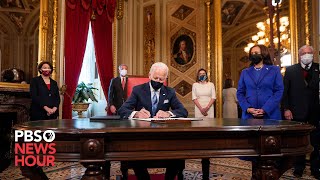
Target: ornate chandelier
[(262, 37), (275, 35)]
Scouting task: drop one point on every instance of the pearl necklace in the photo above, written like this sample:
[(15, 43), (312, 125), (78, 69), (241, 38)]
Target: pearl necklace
[(258, 69)]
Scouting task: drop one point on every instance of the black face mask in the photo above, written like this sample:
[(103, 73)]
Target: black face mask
[(156, 85), (256, 58)]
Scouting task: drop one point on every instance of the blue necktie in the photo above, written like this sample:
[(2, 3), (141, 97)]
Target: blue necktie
[(154, 103)]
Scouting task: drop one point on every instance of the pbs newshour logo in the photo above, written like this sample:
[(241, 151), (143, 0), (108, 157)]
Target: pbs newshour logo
[(34, 148)]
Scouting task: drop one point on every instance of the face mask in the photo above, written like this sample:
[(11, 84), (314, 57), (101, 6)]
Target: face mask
[(202, 78), (306, 59), (156, 85), (256, 58), (46, 72), (123, 72)]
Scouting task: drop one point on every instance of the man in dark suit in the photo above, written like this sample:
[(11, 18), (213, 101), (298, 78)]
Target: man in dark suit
[(301, 102), (152, 99), (118, 90)]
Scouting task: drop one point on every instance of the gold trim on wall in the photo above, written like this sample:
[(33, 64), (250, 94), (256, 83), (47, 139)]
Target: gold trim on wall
[(217, 56), (55, 39), (293, 31), (43, 53), (120, 9), (306, 19), (208, 3), (314, 20), (43, 30), (149, 37), (114, 44)]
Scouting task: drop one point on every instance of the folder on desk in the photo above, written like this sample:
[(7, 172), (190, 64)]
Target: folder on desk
[(168, 120), (108, 117)]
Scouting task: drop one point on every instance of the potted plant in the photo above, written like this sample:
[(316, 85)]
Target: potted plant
[(81, 96)]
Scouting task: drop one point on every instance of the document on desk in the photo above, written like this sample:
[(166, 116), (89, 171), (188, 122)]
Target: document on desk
[(167, 119)]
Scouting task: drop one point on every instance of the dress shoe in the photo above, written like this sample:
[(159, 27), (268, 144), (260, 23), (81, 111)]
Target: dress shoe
[(298, 173), (315, 174)]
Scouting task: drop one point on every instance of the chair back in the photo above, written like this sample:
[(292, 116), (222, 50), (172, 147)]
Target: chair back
[(137, 80)]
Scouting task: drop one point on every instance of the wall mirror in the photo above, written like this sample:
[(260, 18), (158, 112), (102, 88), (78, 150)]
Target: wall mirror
[(27, 29)]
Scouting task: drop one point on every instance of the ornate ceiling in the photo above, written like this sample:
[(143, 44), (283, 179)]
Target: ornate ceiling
[(239, 18), (18, 11)]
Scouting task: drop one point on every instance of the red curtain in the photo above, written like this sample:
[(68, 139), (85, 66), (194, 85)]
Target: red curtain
[(102, 36), (78, 16), (77, 25)]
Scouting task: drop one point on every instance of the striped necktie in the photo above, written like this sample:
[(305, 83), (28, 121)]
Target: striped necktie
[(154, 103)]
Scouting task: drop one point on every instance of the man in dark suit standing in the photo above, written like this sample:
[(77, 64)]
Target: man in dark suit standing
[(118, 90), (152, 99), (301, 102)]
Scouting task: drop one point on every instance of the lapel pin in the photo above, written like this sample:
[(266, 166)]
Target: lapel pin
[(163, 94)]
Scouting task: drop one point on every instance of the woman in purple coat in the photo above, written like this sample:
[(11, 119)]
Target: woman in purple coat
[(260, 87)]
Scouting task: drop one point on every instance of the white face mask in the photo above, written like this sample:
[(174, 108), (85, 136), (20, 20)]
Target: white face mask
[(306, 59), (123, 72)]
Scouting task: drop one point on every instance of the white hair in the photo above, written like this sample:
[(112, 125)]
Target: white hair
[(303, 47), (120, 67), (159, 65)]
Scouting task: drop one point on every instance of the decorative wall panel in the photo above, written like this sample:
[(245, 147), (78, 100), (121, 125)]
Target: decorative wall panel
[(185, 46), (182, 12), (149, 27)]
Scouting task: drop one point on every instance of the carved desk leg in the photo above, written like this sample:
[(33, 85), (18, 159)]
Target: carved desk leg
[(92, 157), (93, 171), (265, 169)]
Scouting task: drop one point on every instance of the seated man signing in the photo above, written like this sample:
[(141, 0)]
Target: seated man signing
[(152, 99)]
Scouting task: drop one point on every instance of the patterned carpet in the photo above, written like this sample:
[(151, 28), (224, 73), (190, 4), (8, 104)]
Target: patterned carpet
[(220, 169)]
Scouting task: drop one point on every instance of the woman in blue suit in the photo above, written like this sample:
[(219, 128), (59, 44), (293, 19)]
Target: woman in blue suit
[(260, 87)]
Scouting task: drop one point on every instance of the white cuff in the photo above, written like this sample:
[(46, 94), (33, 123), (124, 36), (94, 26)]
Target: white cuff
[(132, 114), (171, 114)]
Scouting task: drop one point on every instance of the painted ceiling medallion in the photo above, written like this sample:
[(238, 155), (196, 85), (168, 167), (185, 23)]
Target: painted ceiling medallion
[(183, 88), (182, 12)]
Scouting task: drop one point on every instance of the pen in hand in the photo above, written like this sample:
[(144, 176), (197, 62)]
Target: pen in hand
[(143, 113)]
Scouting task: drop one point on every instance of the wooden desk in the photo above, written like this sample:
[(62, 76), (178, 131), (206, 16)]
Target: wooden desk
[(96, 143)]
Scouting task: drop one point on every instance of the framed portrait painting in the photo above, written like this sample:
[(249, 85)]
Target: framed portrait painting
[(183, 49)]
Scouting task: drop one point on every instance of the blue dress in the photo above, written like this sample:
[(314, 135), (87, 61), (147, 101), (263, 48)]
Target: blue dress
[(261, 89)]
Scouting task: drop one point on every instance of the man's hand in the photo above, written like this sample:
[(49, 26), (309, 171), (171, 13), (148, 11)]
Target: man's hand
[(162, 114), (288, 114), (143, 113), (113, 109)]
